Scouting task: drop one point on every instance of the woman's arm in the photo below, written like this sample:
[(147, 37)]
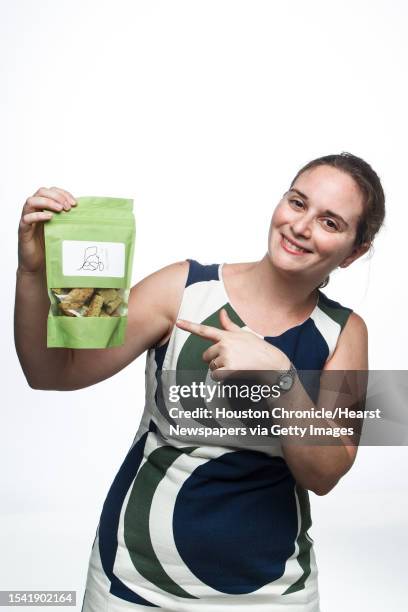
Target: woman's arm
[(153, 306), (152, 309), (319, 468), (315, 467)]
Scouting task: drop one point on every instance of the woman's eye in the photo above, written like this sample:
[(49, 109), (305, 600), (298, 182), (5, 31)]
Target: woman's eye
[(297, 203), (330, 224)]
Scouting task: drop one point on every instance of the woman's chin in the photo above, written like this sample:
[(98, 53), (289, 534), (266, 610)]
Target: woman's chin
[(289, 264)]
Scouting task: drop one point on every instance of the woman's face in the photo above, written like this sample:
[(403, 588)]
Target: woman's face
[(313, 228)]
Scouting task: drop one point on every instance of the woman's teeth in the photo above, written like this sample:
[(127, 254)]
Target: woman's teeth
[(293, 247)]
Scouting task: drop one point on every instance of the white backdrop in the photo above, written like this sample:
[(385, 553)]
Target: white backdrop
[(202, 111)]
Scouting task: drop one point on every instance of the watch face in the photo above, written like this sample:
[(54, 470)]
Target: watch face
[(286, 382)]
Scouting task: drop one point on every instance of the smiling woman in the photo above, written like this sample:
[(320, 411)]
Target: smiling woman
[(214, 526), (319, 237), (360, 202)]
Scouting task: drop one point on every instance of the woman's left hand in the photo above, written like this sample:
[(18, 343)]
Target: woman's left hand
[(235, 349)]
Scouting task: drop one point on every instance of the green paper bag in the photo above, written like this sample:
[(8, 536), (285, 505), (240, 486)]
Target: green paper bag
[(89, 256)]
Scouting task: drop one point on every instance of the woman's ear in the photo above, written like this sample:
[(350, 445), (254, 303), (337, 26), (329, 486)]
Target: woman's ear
[(355, 254)]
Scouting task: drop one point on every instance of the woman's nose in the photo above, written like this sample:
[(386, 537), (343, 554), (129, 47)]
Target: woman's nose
[(301, 226)]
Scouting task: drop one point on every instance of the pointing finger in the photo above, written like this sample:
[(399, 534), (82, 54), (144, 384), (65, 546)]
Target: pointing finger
[(205, 331)]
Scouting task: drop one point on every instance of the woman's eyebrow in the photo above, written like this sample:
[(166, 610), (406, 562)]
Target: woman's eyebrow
[(302, 195), (329, 213)]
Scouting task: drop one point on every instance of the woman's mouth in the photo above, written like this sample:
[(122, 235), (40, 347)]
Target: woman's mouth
[(291, 247)]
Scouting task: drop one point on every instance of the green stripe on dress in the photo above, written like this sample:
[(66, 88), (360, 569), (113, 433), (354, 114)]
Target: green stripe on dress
[(304, 544), (136, 521), (339, 315)]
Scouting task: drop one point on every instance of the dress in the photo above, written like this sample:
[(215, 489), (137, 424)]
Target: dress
[(208, 528)]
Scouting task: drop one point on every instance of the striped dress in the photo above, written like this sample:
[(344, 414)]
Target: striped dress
[(206, 527)]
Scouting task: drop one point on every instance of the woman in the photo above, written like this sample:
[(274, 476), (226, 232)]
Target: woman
[(213, 527)]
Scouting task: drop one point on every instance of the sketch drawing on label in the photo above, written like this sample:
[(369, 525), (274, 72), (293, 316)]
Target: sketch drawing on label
[(92, 260)]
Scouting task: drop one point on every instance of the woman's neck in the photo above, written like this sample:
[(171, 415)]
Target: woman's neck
[(276, 290)]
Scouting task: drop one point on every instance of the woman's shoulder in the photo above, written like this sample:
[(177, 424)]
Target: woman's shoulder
[(352, 347), (356, 324), (349, 350), (343, 314)]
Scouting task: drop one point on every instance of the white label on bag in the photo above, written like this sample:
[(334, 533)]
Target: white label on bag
[(88, 258)]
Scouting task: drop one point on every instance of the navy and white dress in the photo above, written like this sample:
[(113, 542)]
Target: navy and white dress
[(206, 527)]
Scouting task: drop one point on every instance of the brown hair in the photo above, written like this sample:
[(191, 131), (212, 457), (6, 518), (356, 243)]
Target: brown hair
[(370, 188)]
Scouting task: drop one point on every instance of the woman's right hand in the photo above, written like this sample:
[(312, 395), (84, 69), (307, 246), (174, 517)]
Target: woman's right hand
[(38, 209)]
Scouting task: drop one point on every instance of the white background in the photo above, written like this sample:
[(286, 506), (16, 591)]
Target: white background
[(202, 111)]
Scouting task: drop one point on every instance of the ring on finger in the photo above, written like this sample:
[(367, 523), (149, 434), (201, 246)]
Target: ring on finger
[(213, 364)]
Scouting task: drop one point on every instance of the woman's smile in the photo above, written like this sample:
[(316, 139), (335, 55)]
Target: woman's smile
[(294, 248)]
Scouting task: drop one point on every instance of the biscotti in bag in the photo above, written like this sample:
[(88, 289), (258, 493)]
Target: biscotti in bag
[(89, 255)]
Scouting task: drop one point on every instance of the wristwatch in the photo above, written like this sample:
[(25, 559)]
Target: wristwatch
[(287, 379)]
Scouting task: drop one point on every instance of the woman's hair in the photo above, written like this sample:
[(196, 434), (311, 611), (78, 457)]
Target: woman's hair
[(370, 187)]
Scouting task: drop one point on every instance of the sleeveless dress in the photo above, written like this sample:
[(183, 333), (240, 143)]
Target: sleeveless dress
[(208, 528)]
